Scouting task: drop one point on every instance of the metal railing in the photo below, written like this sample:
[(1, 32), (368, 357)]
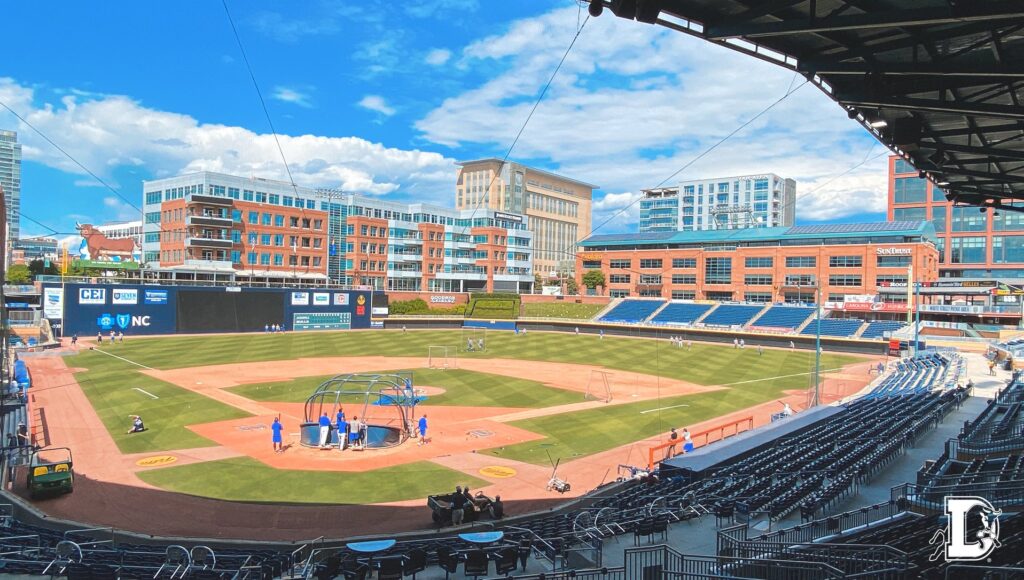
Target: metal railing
[(850, 558), (1001, 495), (821, 528), (971, 572)]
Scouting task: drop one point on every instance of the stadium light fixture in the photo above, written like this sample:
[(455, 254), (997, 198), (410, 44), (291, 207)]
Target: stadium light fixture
[(878, 124)]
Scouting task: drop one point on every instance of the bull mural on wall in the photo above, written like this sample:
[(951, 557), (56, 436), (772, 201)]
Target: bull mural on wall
[(101, 247)]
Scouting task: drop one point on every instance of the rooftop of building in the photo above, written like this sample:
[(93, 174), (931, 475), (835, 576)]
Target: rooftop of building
[(533, 169), (922, 229), (216, 174)]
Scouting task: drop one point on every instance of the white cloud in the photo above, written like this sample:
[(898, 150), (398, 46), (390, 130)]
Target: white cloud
[(616, 212), (378, 104), (633, 104), (289, 30), (116, 131), (437, 56), (292, 95)]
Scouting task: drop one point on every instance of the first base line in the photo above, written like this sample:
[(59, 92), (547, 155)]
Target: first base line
[(146, 392), (662, 409), (126, 360)]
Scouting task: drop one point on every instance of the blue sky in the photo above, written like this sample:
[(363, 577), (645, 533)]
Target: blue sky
[(383, 97)]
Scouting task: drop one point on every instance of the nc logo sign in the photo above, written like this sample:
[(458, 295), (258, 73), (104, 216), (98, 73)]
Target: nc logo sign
[(954, 543), (122, 321)]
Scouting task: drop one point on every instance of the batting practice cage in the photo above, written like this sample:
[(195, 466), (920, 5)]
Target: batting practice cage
[(384, 404)]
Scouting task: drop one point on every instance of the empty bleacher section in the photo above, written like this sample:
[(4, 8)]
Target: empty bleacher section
[(632, 311), (921, 374), (783, 317), (729, 315), (841, 327), (878, 328), (681, 313)]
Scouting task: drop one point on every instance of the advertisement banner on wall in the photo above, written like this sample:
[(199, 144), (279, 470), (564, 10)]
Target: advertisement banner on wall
[(92, 295), (300, 298), (341, 299), (874, 306), (155, 297), (321, 299), (124, 296), (53, 303)]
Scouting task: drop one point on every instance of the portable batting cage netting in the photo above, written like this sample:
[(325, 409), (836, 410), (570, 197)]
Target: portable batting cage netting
[(385, 405)]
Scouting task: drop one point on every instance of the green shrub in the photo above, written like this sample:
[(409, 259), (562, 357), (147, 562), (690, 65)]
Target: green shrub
[(561, 309), (419, 306)]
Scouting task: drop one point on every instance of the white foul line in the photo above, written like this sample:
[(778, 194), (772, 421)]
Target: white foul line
[(146, 392), (661, 409), (126, 360)]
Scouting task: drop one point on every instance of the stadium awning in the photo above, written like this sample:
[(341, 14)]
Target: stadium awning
[(940, 82)]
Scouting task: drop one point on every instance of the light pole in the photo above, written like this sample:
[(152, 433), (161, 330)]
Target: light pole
[(815, 398)]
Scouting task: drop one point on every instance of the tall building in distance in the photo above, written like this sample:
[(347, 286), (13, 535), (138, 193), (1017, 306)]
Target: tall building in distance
[(972, 242), (265, 229), (557, 207), (10, 180), (723, 203)]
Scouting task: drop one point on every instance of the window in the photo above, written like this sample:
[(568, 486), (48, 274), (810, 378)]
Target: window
[(684, 278), (264, 259), (969, 250), (261, 197), (684, 295), (684, 263), (618, 293), (650, 263), (251, 258), (717, 270), (1007, 249), (236, 216), (845, 262), (763, 297), (254, 217), (362, 230), (939, 218), (236, 257), (152, 217), (650, 279), (266, 219), (620, 264), (800, 280), (618, 279), (721, 296), (765, 262), (317, 261), (278, 260), (153, 197), (801, 261), (265, 239), (910, 190), (938, 194), (279, 239), (968, 219), (253, 236), (275, 199), (904, 167), (588, 264), (318, 224), (891, 280), (247, 196), (844, 280), (306, 222), (893, 261), (233, 192), (1008, 220), (757, 280), (294, 223), (798, 298), (278, 220), (912, 214)]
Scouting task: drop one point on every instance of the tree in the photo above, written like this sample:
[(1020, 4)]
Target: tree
[(37, 267), (19, 274), (538, 282), (571, 287), (593, 278)]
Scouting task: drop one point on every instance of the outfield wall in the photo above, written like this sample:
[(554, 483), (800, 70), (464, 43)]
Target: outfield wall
[(86, 309)]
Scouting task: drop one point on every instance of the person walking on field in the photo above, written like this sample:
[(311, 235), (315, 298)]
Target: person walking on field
[(422, 426), (276, 437)]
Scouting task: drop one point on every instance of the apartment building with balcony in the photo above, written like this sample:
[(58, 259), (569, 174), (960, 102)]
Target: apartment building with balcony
[(260, 228), (558, 207), (721, 203)]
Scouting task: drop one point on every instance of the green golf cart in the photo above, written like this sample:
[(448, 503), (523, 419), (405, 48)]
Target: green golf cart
[(50, 472)]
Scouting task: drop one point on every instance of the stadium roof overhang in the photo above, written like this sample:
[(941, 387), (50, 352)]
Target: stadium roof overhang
[(940, 82)]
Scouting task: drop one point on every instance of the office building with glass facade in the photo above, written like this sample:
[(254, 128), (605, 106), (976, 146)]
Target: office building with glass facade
[(723, 203), (10, 180), (972, 243)]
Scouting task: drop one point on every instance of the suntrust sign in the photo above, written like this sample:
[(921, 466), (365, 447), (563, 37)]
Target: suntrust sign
[(893, 251)]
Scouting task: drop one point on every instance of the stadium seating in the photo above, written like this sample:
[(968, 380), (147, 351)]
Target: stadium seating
[(632, 311), (784, 317), (731, 315), (841, 327), (920, 374), (681, 313), (878, 328)]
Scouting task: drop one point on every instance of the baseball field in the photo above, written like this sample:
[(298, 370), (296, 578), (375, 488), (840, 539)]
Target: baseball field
[(498, 418)]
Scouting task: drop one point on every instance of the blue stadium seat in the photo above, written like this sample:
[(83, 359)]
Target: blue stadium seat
[(878, 328), (632, 311), (834, 327), (681, 313), (732, 315), (784, 316)]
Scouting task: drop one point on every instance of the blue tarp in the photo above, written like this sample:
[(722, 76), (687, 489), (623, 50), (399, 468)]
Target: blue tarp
[(21, 374), (490, 325)]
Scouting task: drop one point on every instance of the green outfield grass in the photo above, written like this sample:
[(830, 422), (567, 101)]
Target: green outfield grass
[(561, 310), (114, 388), (462, 388), (244, 479)]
